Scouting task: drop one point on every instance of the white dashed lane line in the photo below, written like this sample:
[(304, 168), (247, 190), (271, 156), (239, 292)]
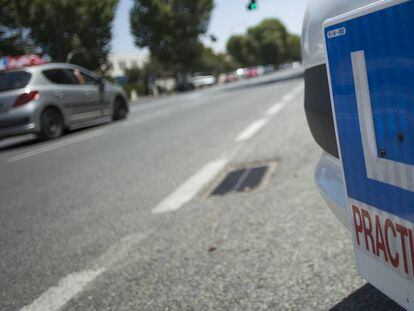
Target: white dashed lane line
[(252, 129), (189, 189), (73, 284), (67, 288), (288, 97), (276, 108), (257, 125)]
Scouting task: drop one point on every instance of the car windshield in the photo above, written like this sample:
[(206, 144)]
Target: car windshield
[(13, 80)]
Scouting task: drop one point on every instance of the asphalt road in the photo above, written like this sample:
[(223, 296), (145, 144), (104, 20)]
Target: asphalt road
[(118, 217)]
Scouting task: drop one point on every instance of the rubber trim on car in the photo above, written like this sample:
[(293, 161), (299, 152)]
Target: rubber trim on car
[(318, 109)]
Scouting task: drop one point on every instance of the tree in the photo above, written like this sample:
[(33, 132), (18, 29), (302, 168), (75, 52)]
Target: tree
[(60, 27), (214, 63), (235, 48), (10, 30), (133, 74), (267, 43), (171, 30), (270, 39), (293, 44)]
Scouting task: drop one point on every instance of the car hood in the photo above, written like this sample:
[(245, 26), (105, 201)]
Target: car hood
[(318, 11)]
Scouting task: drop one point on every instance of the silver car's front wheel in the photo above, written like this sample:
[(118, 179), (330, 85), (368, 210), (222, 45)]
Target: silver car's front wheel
[(120, 109), (51, 124)]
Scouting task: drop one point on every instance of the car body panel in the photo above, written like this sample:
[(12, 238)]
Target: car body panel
[(328, 178), (328, 175), (370, 65), (318, 11)]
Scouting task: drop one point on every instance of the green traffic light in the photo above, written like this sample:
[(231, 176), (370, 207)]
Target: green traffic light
[(252, 6)]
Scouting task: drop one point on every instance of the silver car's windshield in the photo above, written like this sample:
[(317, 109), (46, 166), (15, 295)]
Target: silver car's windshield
[(13, 80)]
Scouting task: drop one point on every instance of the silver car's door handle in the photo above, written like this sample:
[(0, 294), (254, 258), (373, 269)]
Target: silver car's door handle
[(87, 94), (59, 94)]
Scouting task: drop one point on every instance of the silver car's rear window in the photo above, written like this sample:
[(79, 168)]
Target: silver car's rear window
[(12, 80)]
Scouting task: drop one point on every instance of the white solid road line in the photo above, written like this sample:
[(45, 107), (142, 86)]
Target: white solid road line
[(146, 118), (54, 146), (190, 188), (252, 129), (56, 297), (256, 126)]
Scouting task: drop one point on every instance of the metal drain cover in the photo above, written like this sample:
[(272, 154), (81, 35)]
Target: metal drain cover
[(244, 179)]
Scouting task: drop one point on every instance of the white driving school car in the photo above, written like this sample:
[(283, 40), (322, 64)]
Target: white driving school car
[(359, 102)]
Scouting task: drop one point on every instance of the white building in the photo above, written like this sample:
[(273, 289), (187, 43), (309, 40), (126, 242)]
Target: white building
[(121, 61)]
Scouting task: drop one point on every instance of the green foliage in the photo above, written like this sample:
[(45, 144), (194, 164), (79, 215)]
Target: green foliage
[(267, 43), (133, 74), (137, 79), (139, 87), (155, 68), (10, 43), (293, 44), (60, 27), (171, 29), (213, 63), (10, 35), (235, 47)]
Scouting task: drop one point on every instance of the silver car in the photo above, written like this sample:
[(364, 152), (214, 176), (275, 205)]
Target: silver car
[(48, 99)]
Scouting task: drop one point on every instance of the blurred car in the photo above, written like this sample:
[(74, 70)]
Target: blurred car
[(268, 69), (260, 70), (252, 72), (285, 66), (203, 81), (47, 99), (222, 78), (241, 73), (231, 77)]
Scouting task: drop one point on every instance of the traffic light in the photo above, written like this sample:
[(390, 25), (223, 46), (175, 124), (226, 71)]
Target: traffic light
[(252, 5)]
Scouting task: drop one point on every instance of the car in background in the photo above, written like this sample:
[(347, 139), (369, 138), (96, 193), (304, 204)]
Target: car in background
[(203, 81), (252, 72), (47, 99), (268, 69), (260, 70), (230, 77), (241, 73)]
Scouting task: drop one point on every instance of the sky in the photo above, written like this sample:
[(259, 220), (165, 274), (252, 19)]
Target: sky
[(229, 17)]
